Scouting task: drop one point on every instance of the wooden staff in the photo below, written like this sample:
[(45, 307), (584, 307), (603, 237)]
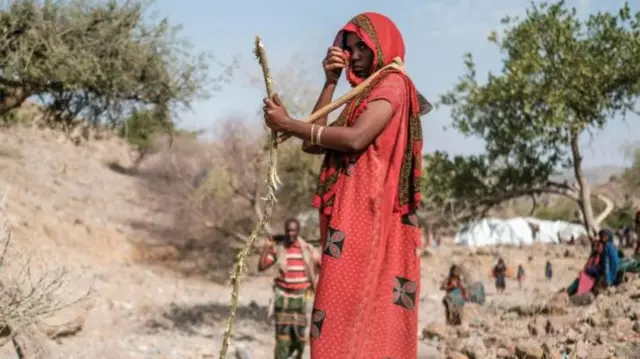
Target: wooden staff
[(241, 259), (324, 111)]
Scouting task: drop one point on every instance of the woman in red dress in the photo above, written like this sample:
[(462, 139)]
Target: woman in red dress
[(367, 298)]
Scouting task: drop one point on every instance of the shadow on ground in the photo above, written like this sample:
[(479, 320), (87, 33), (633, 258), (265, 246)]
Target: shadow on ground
[(212, 316), (120, 169)]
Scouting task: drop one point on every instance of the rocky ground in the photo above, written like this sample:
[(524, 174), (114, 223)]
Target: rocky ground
[(536, 323), (68, 209)]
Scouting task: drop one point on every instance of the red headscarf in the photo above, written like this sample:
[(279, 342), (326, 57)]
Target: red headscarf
[(382, 36)]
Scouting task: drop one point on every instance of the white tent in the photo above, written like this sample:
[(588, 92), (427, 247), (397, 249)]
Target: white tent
[(516, 231)]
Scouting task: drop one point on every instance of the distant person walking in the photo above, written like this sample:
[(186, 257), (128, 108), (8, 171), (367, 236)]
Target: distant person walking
[(548, 270), (500, 274), (520, 275)]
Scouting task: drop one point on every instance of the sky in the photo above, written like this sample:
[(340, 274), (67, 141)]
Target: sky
[(436, 33)]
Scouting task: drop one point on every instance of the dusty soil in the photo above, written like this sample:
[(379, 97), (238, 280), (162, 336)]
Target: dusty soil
[(68, 208)]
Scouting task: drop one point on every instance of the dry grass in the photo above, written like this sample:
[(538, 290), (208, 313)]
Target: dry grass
[(30, 290)]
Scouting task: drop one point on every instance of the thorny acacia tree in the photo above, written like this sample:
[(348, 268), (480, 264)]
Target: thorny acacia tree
[(95, 59), (561, 78)]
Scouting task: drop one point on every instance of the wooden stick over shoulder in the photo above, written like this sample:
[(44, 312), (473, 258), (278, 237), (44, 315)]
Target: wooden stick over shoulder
[(324, 111)]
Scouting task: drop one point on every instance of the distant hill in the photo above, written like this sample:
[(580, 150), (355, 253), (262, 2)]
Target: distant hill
[(595, 175)]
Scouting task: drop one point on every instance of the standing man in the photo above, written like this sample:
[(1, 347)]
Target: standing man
[(296, 266)]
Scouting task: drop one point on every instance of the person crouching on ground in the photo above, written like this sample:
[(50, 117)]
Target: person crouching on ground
[(610, 262), (456, 296)]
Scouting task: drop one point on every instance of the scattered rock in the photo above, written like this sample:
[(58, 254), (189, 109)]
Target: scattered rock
[(536, 326), (435, 330), (582, 300), (474, 348), (457, 355), (529, 350), (582, 349)]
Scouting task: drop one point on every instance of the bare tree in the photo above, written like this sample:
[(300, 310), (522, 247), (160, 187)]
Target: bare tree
[(212, 189), (27, 296)]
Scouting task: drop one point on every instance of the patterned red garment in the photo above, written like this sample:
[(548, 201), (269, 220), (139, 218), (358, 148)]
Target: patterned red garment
[(295, 277), (366, 304)]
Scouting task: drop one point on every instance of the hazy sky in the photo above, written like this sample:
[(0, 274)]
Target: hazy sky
[(436, 33)]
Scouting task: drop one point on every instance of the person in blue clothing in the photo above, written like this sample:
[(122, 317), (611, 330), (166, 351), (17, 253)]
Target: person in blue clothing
[(610, 260)]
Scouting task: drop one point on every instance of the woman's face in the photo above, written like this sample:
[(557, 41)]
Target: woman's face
[(361, 56), (603, 237)]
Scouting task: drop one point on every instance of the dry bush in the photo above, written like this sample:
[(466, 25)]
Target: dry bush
[(30, 290), (208, 191), (211, 193)]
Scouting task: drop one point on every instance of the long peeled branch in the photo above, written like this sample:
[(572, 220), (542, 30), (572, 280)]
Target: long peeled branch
[(327, 109), (272, 183)]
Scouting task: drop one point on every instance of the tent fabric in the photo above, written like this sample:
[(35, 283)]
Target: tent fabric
[(516, 231)]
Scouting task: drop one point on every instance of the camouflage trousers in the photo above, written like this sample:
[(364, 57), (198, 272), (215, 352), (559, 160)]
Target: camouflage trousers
[(291, 324)]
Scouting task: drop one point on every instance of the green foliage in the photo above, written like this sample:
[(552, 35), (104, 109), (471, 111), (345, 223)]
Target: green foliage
[(141, 127), (561, 211), (299, 174), (566, 210), (622, 216), (459, 188), (560, 78), (449, 183), (94, 59)]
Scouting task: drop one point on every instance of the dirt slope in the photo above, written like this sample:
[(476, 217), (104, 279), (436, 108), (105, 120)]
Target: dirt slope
[(67, 208)]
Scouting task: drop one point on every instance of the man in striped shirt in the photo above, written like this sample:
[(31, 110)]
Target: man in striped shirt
[(296, 264)]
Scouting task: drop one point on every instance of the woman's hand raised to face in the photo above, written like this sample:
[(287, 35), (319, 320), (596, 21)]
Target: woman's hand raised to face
[(334, 63)]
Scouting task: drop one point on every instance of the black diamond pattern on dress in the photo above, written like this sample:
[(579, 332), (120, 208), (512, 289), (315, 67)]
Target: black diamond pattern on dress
[(317, 320), (335, 243), (404, 292)]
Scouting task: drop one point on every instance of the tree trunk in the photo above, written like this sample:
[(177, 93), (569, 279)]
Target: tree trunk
[(584, 190), (142, 154), (31, 343), (609, 207)]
